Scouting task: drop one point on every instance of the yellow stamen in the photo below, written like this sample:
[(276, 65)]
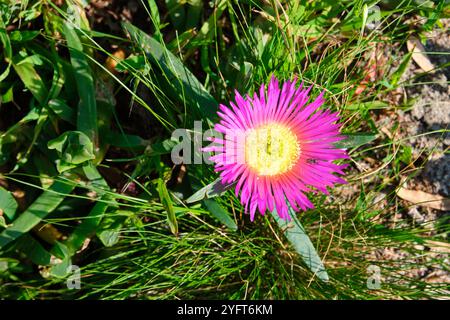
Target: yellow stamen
[(271, 149)]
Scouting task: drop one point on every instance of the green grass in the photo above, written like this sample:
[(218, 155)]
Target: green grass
[(85, 153)]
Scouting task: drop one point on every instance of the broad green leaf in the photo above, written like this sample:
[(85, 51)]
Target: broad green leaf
[(48, 201), (154, 12), (3, 222), (73, 148), (166, 201), (30, 78), (91, 222), (58, 78), (62, 269), (35, 60), (8, 96), (33, 250), (4, 38), (8, 203), (23, 35), (296, 234), (86, 228), (182, 40), (177, 13), (62, 110), (95, 178), (7, 49), (354, 140), (193, 15), (133, 63), (123, 140), (220, 213), (87, 107), (109, 229), (155, 19), (178, 76), (214, 189)]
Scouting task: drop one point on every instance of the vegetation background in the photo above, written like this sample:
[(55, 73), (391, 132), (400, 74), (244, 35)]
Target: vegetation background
[(92, 90)]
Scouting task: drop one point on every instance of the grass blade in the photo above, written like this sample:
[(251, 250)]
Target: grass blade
[(401, 69), (87, 107)]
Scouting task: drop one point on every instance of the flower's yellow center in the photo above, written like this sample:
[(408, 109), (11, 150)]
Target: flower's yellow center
[(271, 149)]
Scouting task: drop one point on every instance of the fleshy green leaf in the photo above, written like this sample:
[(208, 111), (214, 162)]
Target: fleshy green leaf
[(296, 234), (220, 213), (354, 140), (214, 189), (370, 105)]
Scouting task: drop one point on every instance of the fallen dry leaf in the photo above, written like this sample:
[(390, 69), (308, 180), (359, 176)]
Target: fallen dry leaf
[(419, 56), (424, 199)]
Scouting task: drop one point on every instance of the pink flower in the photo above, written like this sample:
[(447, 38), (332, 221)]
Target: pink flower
[(277, 147)]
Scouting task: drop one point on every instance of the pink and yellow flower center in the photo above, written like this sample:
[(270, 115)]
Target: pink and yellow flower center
[(271, 149)]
